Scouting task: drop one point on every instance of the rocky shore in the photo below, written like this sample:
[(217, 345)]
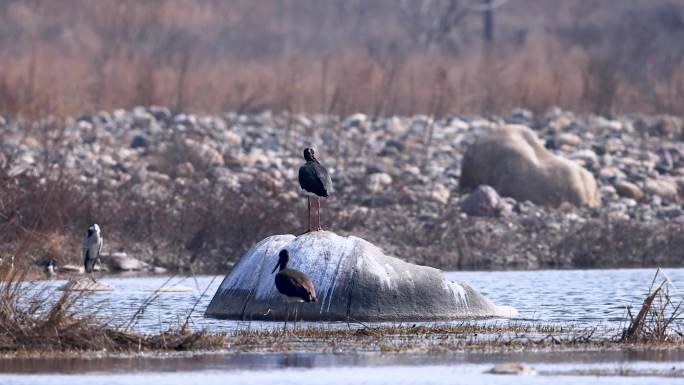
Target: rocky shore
[(396, 179)]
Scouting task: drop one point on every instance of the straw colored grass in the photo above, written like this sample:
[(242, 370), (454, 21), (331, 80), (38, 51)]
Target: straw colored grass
[(29, 322)]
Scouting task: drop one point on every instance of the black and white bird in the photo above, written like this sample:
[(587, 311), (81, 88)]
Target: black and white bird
[(294, 285), (92, 246), (49, 268), (315, 181)]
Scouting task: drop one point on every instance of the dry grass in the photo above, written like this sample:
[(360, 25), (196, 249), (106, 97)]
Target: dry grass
[(31, 322), (213, 56), (659, 318), (44, 218)]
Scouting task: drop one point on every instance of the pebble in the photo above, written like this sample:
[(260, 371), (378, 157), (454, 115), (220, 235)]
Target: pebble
[(629, 190)]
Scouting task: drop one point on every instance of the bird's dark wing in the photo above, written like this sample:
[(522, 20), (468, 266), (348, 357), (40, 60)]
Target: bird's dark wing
[(314, 178), (294, 283), (324, 177), (88, 261)]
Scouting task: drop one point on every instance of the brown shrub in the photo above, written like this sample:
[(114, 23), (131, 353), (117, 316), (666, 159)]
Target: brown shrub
[(212, 56)]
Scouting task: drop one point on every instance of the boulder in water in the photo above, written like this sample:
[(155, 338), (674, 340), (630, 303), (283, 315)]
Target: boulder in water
[(354, 281)]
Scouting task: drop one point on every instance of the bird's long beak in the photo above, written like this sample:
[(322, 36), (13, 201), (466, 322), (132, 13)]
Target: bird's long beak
[(276, 267)]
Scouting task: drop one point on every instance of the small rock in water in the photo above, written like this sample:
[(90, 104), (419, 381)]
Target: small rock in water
[(86, 284), (513, 368)]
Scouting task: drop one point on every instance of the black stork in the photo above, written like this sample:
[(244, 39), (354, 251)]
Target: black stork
[(294, 285), (315, 181)]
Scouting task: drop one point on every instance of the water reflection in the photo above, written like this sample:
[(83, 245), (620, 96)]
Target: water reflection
[(271, 361)]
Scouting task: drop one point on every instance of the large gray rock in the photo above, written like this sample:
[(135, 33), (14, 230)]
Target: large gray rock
[(354, 280), (512, 160)]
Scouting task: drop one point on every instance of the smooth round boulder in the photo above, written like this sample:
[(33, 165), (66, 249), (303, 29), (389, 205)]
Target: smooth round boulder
[(516, 164), (120, 261), (354, 281), (629, 190), (483, 202)]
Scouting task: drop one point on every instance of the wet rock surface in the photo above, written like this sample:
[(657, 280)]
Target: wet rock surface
[(396, 180), (354, 281)]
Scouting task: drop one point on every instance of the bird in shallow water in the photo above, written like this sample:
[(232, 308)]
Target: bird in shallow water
[(92, 246), (294, 285), (315, 181)]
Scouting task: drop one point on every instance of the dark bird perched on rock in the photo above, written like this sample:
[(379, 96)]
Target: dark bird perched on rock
[(315, 181), (294, 285), (92, 247)]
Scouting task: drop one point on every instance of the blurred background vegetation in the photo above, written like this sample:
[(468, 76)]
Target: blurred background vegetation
[(382, 57)]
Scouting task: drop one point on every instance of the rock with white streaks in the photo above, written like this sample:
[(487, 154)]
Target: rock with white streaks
[(354, 280)]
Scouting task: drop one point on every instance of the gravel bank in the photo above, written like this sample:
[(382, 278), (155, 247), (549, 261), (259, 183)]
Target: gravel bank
[(396, 181)]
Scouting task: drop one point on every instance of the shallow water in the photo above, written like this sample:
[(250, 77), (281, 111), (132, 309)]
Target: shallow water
[(578, 297), (278, 368)]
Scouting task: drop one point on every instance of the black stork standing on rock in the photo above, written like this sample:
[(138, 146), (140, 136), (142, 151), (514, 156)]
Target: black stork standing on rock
[(315, 181), (294, 285)]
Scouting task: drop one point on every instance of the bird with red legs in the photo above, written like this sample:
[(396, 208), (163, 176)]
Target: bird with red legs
[(315, 181)]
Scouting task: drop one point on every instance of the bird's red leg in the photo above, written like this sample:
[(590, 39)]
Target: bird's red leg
[(318, 202), (308, 214)]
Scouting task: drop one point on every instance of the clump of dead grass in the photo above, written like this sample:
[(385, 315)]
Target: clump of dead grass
[(30, 322), (657, 320)]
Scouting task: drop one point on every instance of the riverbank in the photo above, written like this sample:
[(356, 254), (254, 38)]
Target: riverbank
[(192, 192), (457, 337)]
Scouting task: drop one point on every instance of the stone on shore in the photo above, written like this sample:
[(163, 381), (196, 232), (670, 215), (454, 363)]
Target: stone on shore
[(70, 269), (354, 280), (516, 164), (664, 188), (483, 202), (629, 190), (120, 261)]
